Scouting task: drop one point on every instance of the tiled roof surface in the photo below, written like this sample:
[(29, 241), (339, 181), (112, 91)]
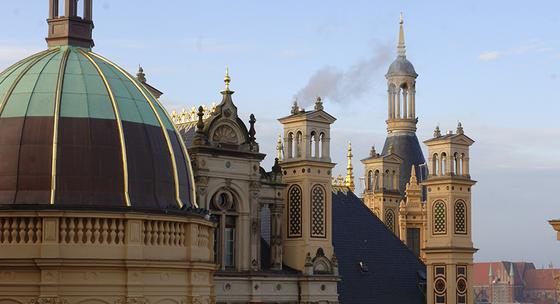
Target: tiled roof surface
[(541, 279), (407, 147), (392, 274)]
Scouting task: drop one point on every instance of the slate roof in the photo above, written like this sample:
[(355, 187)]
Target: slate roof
[(407, 147), (393, 271), (187, 131)]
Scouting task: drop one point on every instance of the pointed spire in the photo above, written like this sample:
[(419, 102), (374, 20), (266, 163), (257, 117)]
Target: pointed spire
[(511, 271), (401, 47), (349, 180), (413, 178), (140, 75), (279, 148), (227, 79)]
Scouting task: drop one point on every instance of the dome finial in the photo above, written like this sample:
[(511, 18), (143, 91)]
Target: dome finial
[(400, 47), (141, 76), (227, 79)]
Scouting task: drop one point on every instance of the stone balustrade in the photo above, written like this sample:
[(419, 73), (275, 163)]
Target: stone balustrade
[(107, 235)]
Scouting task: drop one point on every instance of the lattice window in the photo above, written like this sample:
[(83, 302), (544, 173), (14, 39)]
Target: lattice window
[(390, 219), (318, 212), (294, 212), (440, 225), (460, 217), (461, 284)]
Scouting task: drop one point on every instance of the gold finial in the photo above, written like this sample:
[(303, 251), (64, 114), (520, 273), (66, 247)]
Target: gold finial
[(227, 79), (349, 180)]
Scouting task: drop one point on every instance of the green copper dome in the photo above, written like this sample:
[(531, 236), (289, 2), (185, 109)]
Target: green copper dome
[(77, 130)]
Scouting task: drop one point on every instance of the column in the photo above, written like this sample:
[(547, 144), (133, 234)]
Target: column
[(326, 148), (466, 166), (53, 9), (276, 210), (88, 10), (389, 106), (412, 101), (405, 102), (317, 140), (398, 103)]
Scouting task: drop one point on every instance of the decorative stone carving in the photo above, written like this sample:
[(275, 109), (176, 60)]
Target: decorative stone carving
[(225, 134), (49, 300), (132, 300)]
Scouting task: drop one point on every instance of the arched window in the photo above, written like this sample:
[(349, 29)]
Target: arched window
[(462, 164), (299, 140), (291, 150), (404, 97), (460, 217), (376, 179), (386, 179), (435, 164), (443, 165), (318, 216), (390, 219), (455, 169), (313, 142), (294, 212), (439, 218), (223, 207), (395, 181), (370, 180), (322, 145)]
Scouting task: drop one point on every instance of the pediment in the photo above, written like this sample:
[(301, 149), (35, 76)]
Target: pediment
[(321, 116)]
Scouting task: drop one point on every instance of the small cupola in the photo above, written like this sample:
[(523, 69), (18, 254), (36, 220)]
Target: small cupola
[(68, 27)]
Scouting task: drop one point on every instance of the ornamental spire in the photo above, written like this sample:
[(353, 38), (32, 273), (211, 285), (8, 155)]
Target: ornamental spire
[(349, 180), (227, 79), (279, 148), (400, 47)]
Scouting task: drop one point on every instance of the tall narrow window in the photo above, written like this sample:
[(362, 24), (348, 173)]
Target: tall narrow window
[(439, 218), (322, 145), (370, 180), (318, 217), (390, 219), (413, 240), (299, 140), (313, 144), (291, 146), (294, 212), (443, 166), (376, 179), (460, 217), (435, 164), (223, 207)]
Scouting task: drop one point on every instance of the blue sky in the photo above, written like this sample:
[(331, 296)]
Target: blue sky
[(493, 65)]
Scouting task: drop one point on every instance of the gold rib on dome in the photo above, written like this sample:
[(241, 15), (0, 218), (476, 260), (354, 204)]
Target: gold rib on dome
[(119, 123), (21, 74), (185, 153), (181, 143), (58, 97), (163, 128)]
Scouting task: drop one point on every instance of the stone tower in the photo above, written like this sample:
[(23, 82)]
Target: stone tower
[(401, 119), (449, 247), (381, 192), (307, 172)]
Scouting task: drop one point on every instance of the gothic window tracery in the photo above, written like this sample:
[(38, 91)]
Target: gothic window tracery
[(439, 218), (460, 217), (294, 211), (318, 218)]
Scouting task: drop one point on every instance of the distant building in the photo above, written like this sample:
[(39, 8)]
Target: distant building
[(515, 282)]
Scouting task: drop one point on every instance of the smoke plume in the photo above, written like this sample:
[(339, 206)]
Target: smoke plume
[(341, 86)]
